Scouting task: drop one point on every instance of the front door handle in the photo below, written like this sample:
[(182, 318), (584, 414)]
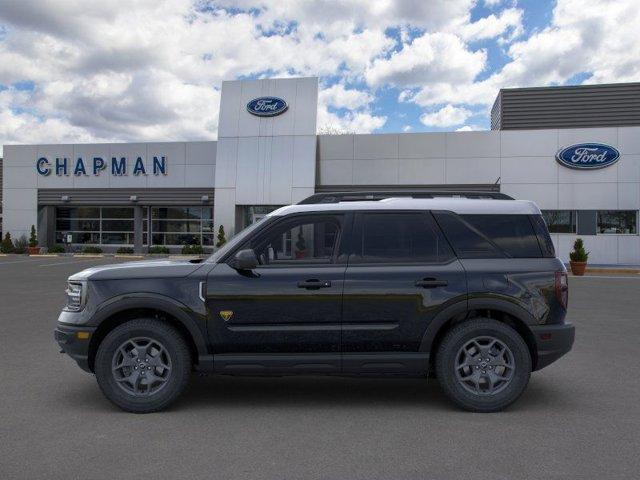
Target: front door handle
[(314, 284), (431, 283)]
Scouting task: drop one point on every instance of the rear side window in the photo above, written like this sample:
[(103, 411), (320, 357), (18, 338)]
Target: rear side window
[(466, 240), (513, 234), (399, 238), (544, 239)]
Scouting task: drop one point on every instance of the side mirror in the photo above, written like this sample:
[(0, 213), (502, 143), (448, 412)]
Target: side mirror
[(244, 260)]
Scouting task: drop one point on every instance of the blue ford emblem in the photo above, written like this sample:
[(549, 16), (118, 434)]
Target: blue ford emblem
[(267, 106), (588, 156)]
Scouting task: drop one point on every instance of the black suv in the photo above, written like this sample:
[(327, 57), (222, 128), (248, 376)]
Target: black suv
[(465, 289)]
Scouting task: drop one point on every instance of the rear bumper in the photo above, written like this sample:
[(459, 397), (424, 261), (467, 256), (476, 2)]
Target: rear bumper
[(74, 345), (552, 342)]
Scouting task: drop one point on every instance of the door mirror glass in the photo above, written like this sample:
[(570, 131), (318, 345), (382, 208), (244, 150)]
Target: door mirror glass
[(244, 260)]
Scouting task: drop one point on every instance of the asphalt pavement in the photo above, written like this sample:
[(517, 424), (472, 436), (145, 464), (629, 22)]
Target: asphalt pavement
[(579, 418)]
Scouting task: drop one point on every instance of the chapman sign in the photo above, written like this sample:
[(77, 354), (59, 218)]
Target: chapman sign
[(118, 166), (588, 156), (267, 106)]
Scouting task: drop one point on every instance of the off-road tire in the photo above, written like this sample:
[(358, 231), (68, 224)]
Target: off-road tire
[(448, 352), (177, 377)]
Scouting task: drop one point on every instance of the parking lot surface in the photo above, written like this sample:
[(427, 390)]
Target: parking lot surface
[(579, 418)]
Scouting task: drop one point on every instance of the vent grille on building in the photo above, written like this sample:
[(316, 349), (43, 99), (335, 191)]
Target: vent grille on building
[(567, 107)]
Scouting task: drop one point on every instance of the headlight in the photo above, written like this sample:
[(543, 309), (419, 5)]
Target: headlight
[(76, 296)]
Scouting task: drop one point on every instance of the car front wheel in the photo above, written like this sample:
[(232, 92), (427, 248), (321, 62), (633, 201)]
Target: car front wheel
[(143, 365), (483, 365)]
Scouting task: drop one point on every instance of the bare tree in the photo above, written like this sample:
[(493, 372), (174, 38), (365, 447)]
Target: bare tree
[(331, 129)]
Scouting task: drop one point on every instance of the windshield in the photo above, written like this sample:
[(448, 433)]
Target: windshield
[(237, 239)]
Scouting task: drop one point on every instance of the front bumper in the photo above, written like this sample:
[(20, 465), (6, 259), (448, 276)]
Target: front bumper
[(75, 341), (552, 342)]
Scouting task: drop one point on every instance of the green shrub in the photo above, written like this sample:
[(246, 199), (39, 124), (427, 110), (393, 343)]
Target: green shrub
[(33, 238), (7, 244), (579, 254), (159, 249), (57, 248), (192, 250), (221, 238), (20, 245), (125, 251), (91, 249)]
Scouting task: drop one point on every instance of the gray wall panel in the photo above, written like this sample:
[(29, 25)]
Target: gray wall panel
[(587, 222)]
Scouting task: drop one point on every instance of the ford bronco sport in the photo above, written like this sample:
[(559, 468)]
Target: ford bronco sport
[(462, 287)]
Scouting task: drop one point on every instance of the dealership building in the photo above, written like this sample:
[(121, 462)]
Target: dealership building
[(575, 151)]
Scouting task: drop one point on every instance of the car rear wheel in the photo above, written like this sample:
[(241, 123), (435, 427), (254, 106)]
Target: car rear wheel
[(143, 365), (483, 365)]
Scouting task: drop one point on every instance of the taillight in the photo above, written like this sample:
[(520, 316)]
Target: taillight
[(562, 288)]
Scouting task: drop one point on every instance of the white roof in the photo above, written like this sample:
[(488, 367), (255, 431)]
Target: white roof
[(457, 205)]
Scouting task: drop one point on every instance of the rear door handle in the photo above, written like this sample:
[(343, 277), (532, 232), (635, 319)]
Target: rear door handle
[(431, 283), (314, 284)]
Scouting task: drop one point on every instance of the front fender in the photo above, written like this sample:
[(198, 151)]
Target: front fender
[(194, 322)]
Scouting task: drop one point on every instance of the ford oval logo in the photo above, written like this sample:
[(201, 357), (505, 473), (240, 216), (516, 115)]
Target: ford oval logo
[(267, 106), (588, 156)]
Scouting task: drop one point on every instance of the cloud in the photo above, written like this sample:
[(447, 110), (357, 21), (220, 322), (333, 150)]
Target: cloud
[(509, 21), (152, 70), (432, 57), (340, 97), (358, 122), (469, 128), (594, 38), (447, 116)]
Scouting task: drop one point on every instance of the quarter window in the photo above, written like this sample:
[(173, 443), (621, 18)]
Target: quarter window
[(514, 234), (618, 221), (400, 237)]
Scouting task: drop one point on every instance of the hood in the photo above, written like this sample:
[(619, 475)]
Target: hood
[(141, 269)]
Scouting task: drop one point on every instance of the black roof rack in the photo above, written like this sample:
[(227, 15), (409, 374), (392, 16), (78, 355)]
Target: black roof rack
[(336, 197)]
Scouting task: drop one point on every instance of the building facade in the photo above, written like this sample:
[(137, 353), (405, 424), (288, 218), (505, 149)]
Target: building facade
[(268, 155)]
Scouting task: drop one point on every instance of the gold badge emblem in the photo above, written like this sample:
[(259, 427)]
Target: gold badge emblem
[(226, 315)]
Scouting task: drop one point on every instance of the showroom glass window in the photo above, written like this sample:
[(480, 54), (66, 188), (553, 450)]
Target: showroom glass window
[(192, 225), (618, 222), (560, 221), (95, 225)]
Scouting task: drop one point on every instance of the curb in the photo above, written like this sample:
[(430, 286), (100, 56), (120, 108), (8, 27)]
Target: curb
[(628, 271), (88, 255), (127, 256)]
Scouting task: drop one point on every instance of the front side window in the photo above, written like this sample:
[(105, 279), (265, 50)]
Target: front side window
[(618, 221), (560, 221), (305, 240), (399, 238)]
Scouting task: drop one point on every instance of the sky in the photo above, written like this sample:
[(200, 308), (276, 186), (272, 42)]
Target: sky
[(77, 71)]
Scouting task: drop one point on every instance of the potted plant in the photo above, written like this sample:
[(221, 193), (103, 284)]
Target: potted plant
[(20, 245), (7, 244), (579, 258), (301, 246), (33, 249), (221, 239)]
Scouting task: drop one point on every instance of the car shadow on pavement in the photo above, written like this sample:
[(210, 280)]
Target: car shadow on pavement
[(223, 392)]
